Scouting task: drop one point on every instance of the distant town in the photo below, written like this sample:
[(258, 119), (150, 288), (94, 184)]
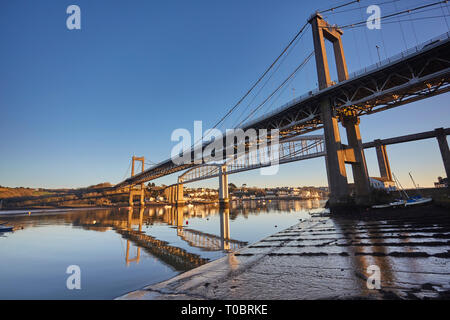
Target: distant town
[(102, 195)]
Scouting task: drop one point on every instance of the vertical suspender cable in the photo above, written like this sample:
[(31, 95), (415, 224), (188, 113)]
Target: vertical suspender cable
[(445, 18), (384, 44), (356, 48), (401, 28), (413, 28), (366, 35)]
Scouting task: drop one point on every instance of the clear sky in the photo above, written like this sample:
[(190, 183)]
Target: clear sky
[(77, 104)]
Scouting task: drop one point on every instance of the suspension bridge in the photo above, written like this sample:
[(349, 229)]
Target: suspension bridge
[(417, 73)]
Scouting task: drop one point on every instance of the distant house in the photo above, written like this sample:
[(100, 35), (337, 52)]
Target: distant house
[(382, 183), (442, 183)]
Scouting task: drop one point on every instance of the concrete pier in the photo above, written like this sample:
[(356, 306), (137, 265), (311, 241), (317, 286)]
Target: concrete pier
[(383, 161), (441, 137), (335, 157), (223, 187), (359, 166)]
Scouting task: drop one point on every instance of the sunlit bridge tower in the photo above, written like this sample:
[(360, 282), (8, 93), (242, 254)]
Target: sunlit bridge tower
[(337, 155), (140, 190)]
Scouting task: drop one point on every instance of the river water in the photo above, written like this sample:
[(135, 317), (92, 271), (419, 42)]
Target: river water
[(120, 250)]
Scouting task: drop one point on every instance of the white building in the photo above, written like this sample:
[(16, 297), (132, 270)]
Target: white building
[(380, 183)]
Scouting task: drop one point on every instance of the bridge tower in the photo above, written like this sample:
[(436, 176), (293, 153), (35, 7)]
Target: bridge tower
[(141, 191), (336, 155)]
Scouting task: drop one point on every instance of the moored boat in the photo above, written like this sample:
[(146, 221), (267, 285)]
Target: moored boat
[(417, 200), (6, 229)]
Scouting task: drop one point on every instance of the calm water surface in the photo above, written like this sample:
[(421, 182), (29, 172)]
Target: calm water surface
[(120, 250)]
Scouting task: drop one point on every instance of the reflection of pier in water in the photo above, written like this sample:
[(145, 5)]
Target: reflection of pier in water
[(130, 229), (203, 240), (177, 257), (210, 242)]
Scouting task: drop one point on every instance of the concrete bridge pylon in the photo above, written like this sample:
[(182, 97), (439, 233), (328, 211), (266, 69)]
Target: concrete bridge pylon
[(141, 189), (223, 186), (336, 155)]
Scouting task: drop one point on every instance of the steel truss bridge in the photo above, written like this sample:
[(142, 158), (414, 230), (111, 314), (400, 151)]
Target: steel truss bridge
[(293, 149), (415, 74)]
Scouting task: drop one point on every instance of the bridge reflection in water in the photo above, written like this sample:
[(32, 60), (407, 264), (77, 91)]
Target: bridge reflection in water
[(180, 258), (182, 253), (175, 256)]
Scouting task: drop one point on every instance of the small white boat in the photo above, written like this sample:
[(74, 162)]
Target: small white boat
[(381, 206), (394, 204), (418, 200)]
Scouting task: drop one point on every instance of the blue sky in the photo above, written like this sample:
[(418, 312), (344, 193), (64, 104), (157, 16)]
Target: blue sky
[(77, 104)]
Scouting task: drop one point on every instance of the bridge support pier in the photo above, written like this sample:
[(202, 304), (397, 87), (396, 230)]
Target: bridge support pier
[(140, 193), (383, 161), (443, 146), (179, 194), (174, 194), (358, 161), (334, 158), (223, 187)]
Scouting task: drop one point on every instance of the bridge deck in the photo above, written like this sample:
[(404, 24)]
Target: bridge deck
[(415, 74)]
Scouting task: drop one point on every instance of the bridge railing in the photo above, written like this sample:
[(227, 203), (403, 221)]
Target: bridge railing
[(400, 55)]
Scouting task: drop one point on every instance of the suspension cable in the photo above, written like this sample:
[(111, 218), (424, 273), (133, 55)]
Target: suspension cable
[(258, 81), (407, 20), (278, 67), (340, 6), (278, 88), (126, 172), (393, 14)]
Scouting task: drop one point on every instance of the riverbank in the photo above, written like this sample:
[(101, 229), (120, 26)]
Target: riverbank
[(328, 258)]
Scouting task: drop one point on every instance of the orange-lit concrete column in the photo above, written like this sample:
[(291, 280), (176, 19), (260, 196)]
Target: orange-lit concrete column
[(359, 167), (223, 186), (323, 74), (443, 146), (341, 64), (179, 188), (323, 31), (130, 198), (142, 196), (172, 195), (335, 158)]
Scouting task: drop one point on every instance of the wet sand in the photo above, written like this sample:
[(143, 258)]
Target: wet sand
[(329, 258)]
